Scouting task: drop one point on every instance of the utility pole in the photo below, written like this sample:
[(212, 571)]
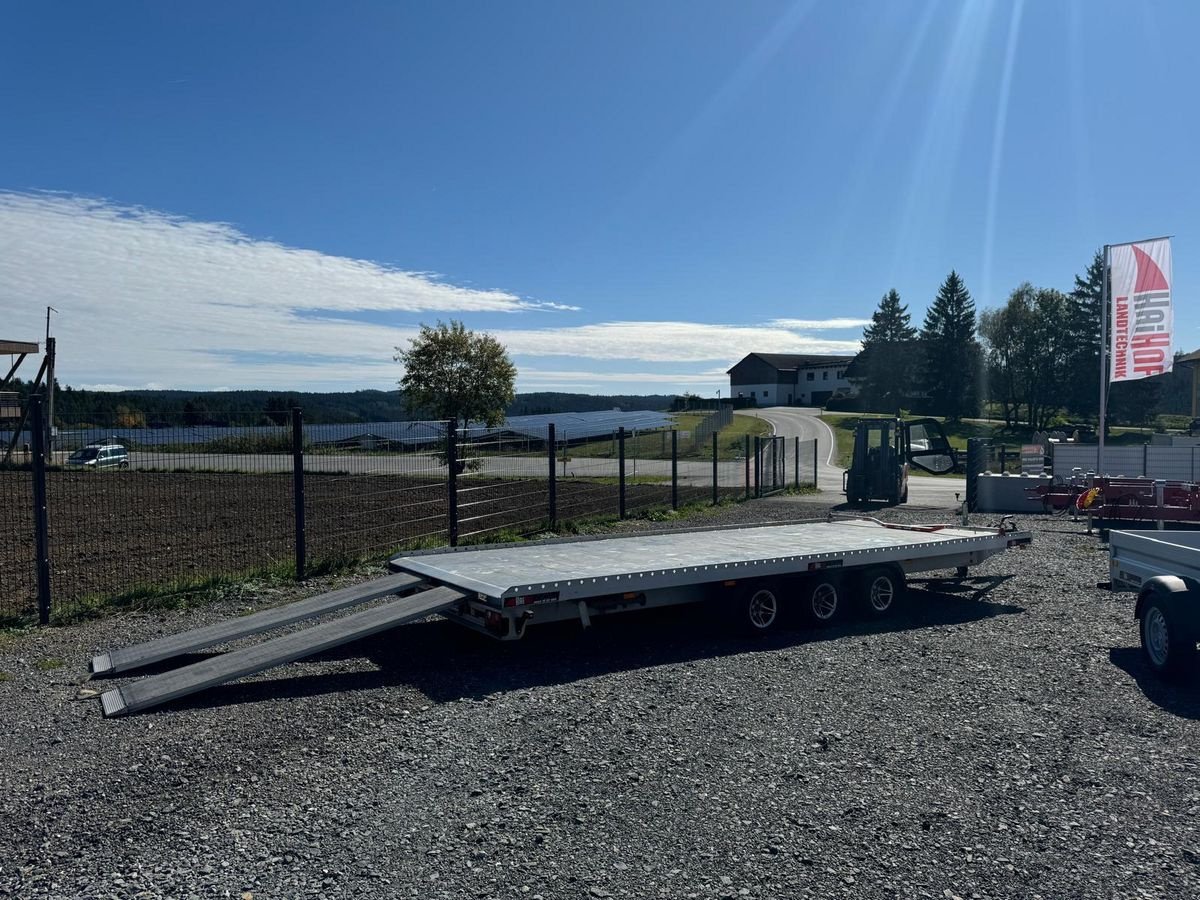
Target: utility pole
[(49, 384)]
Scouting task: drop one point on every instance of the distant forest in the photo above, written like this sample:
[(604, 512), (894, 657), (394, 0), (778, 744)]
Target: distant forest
[(132, 409)]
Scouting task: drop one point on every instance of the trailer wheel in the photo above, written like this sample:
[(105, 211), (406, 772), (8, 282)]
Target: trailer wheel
[(1170, 651), (822, 600), (882, 590), (757, 609)]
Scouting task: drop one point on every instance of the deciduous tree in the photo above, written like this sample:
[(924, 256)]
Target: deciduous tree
[(453, 373)]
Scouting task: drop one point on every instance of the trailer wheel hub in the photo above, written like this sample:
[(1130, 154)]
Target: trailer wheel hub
[(762, 609), (1155, 636)]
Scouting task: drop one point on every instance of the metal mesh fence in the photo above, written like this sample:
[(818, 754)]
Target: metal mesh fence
[(132, 507), (366, 495), (804, 463), (18, 582), (587, 475), (501, 483)]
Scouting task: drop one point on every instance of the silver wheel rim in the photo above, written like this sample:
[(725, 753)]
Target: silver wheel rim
[(1155, 637), (762, 609), (824, 601), (881, 594)]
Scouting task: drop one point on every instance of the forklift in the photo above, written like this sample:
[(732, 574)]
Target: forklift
[(883, 451)]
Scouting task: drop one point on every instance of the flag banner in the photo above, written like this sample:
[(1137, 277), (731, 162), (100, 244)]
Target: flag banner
[(1142, 325)]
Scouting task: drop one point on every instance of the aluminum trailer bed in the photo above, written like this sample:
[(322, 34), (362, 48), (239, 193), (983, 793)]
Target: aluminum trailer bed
[(755, 573), (520, 584)]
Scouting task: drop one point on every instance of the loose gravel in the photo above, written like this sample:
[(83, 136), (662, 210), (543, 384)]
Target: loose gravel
[(999, 738)]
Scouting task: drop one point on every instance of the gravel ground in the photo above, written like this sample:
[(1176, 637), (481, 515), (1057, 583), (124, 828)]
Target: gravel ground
[(997, 739)]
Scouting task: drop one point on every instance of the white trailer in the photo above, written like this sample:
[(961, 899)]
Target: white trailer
[(753, 574), (1164, 568)]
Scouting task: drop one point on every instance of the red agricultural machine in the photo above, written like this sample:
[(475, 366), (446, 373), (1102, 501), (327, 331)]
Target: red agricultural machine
[(1124, 499)]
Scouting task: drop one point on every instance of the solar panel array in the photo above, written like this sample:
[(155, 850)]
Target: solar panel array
[(568, 426)]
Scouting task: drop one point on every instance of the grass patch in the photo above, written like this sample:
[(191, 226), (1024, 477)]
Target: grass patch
[(49, 664), (4, 676)]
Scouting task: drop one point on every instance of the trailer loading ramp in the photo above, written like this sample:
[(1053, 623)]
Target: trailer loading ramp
[(158, 689), (230, 630)]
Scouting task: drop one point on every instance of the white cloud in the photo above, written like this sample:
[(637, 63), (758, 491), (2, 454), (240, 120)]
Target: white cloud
[(151, 300), (666, 341), (820, 324)]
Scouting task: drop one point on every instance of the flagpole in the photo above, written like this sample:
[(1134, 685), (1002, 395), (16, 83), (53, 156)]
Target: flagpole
[(1104, 302)]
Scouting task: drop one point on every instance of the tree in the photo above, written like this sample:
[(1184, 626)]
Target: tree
[(1026, 354), (453, 373), (1085, 306), (887, 346), (952, 355)]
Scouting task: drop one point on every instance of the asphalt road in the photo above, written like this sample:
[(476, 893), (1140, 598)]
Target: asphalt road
[(806, 424)]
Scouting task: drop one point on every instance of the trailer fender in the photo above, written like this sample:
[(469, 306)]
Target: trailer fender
[(1180, 596)]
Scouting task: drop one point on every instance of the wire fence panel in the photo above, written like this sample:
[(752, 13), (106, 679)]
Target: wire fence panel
[(18, 580), (368, 499), (133, 507), (770, 471), (588, 477), (502, 483), (805, 463), (168, 507)]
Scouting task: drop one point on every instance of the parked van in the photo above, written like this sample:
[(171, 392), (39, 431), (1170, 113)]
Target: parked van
[(100, 456)]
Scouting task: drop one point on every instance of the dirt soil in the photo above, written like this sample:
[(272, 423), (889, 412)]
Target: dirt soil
[(113, 532)]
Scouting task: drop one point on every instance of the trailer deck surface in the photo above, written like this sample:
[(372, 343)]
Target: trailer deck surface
[(584, 568)]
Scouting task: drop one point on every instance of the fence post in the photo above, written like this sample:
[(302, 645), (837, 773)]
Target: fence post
[(816, 447), (758, 466), (41, 512), (674, 469), (977, 454), (716, 472), (797, 462), (298, 490), (746, 445), (553, 500), (621, 471), (1145, 460), (452, 480)]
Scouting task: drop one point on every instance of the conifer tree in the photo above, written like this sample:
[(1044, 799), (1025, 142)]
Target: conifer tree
[(887, 355), (952, 354)]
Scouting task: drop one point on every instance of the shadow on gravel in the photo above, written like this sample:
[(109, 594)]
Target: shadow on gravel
[(1180, 698), (446, 662)]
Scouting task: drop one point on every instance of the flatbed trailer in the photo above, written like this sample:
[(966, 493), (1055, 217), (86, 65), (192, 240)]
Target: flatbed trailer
[(754, 575), (813, 568)]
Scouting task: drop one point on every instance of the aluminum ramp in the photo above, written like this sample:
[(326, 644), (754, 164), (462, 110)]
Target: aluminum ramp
[(208, 673), (139, 655)]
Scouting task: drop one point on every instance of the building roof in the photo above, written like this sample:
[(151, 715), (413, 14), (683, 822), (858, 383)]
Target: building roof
[(785, 362)]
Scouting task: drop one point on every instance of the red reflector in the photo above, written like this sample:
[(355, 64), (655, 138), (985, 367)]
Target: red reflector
[(510, 602), (528, 600)]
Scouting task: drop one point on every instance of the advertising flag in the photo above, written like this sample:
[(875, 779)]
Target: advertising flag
[(1142, 325)]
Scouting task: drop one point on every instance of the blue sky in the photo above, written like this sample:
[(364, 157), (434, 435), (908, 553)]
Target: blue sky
[(630, 195)]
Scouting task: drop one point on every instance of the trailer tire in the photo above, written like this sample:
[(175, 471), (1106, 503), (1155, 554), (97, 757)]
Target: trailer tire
[(1168, 648), (883, 589), (822, 599), (757, 609)]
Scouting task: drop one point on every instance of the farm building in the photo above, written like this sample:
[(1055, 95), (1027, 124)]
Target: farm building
[(788, 379)]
